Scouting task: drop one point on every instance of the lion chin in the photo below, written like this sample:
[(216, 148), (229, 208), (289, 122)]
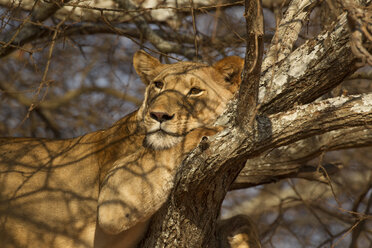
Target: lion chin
[(160, 140)]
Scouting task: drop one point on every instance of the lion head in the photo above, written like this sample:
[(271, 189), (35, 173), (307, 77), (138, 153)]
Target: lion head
[(183, 96)]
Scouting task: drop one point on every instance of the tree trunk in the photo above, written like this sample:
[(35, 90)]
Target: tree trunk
[(189, 217)]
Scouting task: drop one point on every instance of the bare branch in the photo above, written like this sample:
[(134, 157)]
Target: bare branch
[(320, 117), (368, 210), (141, 14), (66, 98), (248, 92), (316, 118), (274, 173), (181, 211), (287, 32), (47, 117), (288, 161), (310, 71), (27, 31), (148, 34), (285, 198), (153, 11)]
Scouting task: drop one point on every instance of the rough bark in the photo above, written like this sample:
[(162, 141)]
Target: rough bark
[(274, 141), (287, 31), (290, 161), (203, 188), (248, 93), (325, 61), (205, 175), (308, 72)]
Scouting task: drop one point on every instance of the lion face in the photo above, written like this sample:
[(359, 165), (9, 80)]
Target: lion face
[(183, 96)]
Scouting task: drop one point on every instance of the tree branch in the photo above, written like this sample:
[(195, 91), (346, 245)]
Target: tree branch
[(27, 30), (285, 198), (205, 175), (66, 98), (320, 117), (129, 31), (153, 11), (202, 181), (310, 71), (248, 92), (288, 161), (272, 174), (287, 32), (148, 34), (46, 116)]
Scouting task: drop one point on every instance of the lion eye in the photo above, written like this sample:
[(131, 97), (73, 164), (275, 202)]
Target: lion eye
[(159, 84), (195, 91)]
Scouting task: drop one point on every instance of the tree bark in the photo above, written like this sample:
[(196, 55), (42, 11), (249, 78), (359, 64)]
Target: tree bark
[(273, 139), (290, 161), (189, 216)]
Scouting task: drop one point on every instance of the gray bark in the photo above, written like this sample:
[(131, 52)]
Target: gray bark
[(189, 216)]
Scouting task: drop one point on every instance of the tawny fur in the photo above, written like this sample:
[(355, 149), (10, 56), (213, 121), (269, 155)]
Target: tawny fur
[(100, 189)]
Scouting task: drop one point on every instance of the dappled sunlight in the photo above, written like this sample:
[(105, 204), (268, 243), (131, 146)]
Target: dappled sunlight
[(101, 189)]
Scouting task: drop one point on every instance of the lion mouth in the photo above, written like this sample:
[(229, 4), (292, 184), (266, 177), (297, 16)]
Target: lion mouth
[(162, 132)]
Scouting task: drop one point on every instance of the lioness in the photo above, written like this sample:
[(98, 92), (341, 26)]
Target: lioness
[(100, 189)]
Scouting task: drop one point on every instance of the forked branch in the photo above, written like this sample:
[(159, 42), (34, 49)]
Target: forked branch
[(190, 215)]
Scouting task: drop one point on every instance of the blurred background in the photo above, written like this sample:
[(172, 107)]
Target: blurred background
[(73, 74)]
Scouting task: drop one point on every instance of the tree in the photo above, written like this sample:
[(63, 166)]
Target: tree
[(292, 107)]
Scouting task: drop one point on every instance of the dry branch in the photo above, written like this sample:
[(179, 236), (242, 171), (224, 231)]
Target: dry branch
[(205, 175), (153, 11), (326, 59), (189, 217), (288, 161), (27, 30), (248, 93), (310, 71), (115, 17), (271, 174), (69, 96), (148, 34), (275, 141), (287, 32), (275, 198)]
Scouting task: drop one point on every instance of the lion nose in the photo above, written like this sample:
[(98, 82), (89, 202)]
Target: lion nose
[(161, 116)]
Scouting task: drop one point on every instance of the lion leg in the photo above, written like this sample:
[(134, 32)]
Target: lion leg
[(193, 138)]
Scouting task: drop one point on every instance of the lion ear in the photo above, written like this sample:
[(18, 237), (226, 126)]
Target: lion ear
[(231, 69), (147, 67)]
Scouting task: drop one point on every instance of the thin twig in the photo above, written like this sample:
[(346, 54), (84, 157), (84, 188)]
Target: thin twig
[(194, 27)]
